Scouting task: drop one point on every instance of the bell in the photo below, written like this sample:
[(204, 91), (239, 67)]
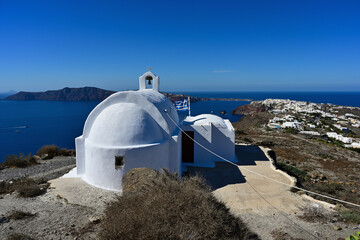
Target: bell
[(149, 82)]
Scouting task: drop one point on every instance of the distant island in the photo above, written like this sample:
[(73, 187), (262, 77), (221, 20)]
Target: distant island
[(95, 94), (65, 94), (6, 94)]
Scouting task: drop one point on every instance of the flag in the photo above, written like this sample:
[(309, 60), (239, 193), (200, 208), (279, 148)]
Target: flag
[(182, 105)]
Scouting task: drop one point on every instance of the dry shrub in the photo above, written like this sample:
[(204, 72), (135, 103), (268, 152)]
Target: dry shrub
[(4, 187), (167, 208), (16, 215), (329, 188), (66, 152), (25, 187), (348, 215), (316, 213), (18, 236), (279, 234), (30, 188), (20, 161), (49, 151), (351, 216)]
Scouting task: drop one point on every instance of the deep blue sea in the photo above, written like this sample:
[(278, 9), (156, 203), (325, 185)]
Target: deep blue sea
[(25, 126)]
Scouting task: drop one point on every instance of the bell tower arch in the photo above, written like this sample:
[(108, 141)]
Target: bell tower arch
[(149, 81)]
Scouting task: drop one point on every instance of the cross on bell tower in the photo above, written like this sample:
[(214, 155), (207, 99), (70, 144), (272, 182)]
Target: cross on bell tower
[(149, 78)]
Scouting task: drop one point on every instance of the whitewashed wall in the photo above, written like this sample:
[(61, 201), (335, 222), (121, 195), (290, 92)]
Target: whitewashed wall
[(133, 124)]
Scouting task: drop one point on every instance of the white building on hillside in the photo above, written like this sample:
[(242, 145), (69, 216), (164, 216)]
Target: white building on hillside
[(133, 129), (295, 124), (339, 137), (310, 133)]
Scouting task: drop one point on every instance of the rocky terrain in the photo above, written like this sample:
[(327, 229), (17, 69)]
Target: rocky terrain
[(72, 209), (45, 169), (53, 215)]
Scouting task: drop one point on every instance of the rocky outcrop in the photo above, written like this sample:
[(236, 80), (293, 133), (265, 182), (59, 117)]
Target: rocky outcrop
[(65, 94), (174, 97), (253, 107)]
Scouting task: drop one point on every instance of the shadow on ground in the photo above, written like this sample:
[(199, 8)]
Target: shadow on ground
[(225, 173), (248, 154)]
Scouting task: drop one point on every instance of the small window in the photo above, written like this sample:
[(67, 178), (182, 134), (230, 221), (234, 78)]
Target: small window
[(119, 162)]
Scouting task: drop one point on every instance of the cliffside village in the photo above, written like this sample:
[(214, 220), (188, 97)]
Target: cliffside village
[(337, 124)]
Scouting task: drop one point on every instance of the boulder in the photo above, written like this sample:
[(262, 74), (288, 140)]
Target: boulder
[(95, 219), (337, 228)]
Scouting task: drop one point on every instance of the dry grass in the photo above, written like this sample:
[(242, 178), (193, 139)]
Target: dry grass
[(167, 208)]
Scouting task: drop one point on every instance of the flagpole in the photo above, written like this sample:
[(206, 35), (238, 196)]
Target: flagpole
[(189, 106)]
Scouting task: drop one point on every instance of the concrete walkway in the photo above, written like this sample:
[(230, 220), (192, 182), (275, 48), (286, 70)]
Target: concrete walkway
[(244, 193), (77, 191), (231, 184)]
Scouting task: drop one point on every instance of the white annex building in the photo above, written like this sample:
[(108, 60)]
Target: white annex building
[(133, 129)]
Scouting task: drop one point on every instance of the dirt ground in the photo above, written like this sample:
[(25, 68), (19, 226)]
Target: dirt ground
[(64, 212)]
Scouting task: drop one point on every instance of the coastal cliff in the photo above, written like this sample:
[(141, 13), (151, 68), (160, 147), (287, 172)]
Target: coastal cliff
[(253, 107)]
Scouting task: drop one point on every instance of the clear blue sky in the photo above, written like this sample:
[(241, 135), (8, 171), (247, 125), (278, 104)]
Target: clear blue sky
[(198, 45)]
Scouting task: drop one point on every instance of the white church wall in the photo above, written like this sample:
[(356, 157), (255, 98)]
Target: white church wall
[(80, 155), (152, 156), (223, 143), (218, 137), (100, 162), (202, 134), (122, 125), (175, 154)]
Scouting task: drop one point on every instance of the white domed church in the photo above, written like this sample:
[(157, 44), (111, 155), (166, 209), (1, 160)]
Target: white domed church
[(133, 129)]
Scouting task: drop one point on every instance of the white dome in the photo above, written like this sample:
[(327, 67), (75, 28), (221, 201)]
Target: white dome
[(131, 118), (205, 119), (125, 124)]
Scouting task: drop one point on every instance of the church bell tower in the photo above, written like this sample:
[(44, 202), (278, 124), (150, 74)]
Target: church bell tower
[(149, 81)]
